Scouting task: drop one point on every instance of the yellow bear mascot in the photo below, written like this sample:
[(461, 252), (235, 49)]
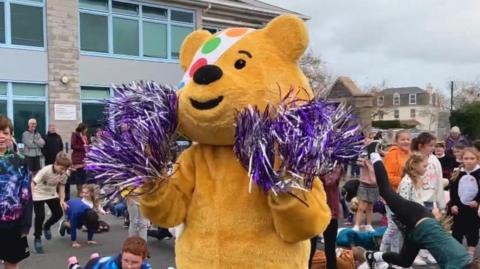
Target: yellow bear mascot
[(226, 226)]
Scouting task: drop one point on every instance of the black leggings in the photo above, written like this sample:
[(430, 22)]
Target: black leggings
[(330, 237), (405, 211), (39, 208)]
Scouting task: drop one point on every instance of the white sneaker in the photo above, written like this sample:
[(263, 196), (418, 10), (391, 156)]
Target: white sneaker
[(356, 228), (419, 261), (369, 228), (430, 259)]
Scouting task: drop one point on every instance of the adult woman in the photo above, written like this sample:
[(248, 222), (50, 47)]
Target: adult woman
[(79, 144)]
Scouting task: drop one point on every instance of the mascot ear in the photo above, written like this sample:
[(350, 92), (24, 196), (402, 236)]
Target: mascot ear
[(289, 35), (190, 46)]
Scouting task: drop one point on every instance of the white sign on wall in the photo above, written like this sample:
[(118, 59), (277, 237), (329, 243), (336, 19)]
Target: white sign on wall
[(65, 112)]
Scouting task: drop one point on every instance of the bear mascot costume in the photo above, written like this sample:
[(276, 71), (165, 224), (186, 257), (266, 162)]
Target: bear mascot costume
[(246, 191), (226, 226)]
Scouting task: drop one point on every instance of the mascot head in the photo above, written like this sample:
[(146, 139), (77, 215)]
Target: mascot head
[(235, 68)]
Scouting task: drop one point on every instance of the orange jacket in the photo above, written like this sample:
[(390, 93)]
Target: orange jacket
[(394, 164)]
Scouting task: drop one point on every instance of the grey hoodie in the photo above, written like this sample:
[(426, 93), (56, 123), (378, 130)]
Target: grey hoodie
[(33, 144)]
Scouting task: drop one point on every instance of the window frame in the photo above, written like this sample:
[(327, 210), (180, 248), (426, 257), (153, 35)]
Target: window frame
[(110, 15), (10, 98), (396, 96), (396, 114), (413, 113), (410, 98), (8, 24), (92, 100)]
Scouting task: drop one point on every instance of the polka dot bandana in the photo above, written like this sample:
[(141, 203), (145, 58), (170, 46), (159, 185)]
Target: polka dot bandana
[(213, 49)]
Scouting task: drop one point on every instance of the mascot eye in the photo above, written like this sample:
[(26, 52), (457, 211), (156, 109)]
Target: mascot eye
[(240, 64)]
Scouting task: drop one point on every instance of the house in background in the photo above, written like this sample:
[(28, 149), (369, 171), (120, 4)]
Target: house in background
[(60, 57), (410, 106), (345, 90)]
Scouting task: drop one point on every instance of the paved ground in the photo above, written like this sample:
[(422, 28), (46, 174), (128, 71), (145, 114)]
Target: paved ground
[(59, 249)]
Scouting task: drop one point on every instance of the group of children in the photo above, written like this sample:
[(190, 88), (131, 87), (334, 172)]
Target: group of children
[(425, 176), (20, 195)]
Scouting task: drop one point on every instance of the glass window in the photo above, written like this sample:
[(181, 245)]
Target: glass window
[(24, 89), (25, 110), (396, 114), (396, 99), (413, 113), (154, 13), (27, 25), (3, 107), (125, 36), (178, 35), (94, 93), (124, 8), (380, 115), (154, 40), (2, 22), (3, 88), (94, 4), (413, 99), (182, 16), (93, 116), (93, 32)]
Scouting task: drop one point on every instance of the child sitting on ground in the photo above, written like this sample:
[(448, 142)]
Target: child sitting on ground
[(133, 256), (78, 215)]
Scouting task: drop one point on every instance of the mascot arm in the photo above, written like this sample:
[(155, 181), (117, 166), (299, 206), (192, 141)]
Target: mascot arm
[(295, 221), (168, 204)]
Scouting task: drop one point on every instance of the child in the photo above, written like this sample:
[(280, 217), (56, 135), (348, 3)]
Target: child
[(448, 162), (90, 199), (79, 214), (134, 256), (457, 153), (367, 195), (15, 201), (464, 200), (330, 183), (44, 191), (420, 229), (395, 160), (409, 188)]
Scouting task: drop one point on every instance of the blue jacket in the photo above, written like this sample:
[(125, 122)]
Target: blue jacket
[(111, 262), (15, 194), (76, 212)]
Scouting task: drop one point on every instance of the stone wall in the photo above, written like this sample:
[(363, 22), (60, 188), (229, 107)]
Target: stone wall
[(63, 61)]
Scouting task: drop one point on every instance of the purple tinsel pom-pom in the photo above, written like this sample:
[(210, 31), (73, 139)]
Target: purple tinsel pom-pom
[(138, 143), (254, 146), (309, 138), (313, 136)]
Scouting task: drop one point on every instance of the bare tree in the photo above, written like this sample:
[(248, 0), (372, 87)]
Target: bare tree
[(315, 70), (465, 93)]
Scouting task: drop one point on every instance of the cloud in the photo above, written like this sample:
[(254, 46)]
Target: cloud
[(404, 42)]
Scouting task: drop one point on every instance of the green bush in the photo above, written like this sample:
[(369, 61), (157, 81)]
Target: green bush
[(391, 124)]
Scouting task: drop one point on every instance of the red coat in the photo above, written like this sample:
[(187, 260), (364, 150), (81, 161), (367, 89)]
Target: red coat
[(79, 147)]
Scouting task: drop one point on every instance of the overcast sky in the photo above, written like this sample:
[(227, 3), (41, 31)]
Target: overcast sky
[(401, 42)]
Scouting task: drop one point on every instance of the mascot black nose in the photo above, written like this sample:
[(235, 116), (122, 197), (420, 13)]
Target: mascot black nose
[(207, 74)]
